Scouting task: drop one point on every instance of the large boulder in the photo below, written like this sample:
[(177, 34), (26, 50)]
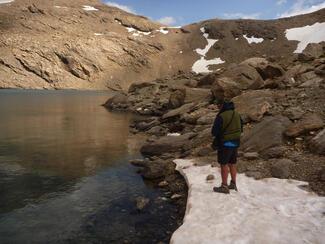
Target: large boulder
[(236, 79), (317, 144), (197, 95), (167, 144), (118, 101), (177, 98), (245, 75), (252, 105), (308, 123), (315, 50), (266, 134), (310, 79), (225, 87), (266, 69), (178, 111)]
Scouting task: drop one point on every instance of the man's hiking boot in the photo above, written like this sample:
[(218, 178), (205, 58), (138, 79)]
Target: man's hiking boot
[(232, 186), (221, 189)]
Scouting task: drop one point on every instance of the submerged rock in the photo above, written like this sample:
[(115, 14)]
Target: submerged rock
[(142, 202)]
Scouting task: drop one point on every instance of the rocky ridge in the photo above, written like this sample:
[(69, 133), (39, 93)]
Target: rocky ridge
[(86, 44)]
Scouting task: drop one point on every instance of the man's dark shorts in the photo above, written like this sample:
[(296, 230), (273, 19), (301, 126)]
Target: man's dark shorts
[(227, 155)]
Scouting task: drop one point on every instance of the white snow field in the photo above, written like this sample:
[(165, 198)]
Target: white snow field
[(89, 8), (307, 34), (202, 65), (263, 211), (253, 39), (6, 1)]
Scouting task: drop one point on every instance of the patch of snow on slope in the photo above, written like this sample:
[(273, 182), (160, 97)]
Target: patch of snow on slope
[(202, 65), (211, 42), (163, 30), (307, 34), (89, 8), (60, 7), (137, 32), (6, 1), (98, 34), (253, 39), (263, 211), (173, 134)]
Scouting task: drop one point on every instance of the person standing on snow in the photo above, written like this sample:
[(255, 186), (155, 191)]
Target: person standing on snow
[(227, 129)]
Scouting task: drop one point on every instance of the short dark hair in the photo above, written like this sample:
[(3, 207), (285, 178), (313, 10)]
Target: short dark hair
[(219, 101)]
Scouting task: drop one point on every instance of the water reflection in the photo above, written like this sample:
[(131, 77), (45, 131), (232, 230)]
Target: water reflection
[(49, 140)]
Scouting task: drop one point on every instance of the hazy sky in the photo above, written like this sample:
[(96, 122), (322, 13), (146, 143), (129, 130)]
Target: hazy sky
[(180, 12)]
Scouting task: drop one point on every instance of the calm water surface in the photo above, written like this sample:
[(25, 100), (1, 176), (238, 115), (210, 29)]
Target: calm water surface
[(65, 176)]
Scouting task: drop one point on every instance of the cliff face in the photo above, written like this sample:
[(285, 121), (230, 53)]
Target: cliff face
[(85, 44)]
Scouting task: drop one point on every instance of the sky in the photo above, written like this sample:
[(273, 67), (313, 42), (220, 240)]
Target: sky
[(182, 12)]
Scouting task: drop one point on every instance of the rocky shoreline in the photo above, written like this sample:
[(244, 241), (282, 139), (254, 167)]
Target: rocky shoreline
[(282, 107)]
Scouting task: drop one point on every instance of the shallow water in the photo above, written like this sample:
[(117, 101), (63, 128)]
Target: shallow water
[(65, 176)]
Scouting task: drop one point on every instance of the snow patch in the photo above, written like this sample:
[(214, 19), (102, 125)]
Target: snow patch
[(6, 1), (263, 211), (89, 8), (253, 39), (236, 38), (202, 65), (173, 134), (307, 34), (180, 52), (61, 7), (137, 32), (163, 30), (98, 34)]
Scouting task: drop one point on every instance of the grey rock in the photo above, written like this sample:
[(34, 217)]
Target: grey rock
[(167, 144), (178, 111), (281, 168), (317, 144), (266, 134)]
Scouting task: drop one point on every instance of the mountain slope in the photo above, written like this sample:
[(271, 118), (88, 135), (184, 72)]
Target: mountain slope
[(85, 44)]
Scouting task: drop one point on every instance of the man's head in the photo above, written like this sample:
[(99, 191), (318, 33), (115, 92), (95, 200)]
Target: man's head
[(219, 102)]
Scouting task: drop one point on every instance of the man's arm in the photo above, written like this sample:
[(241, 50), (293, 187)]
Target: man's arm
[(217, 126)]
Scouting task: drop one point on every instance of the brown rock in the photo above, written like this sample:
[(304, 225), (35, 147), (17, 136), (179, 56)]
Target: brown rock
[(266, 69), (177, 98), (252, 105), (308, 123), (210, 177)]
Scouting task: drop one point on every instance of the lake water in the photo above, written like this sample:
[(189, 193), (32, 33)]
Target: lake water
[(65, 176)]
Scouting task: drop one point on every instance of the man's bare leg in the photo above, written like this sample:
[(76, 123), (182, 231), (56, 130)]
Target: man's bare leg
[(233, 172), (224, 174)]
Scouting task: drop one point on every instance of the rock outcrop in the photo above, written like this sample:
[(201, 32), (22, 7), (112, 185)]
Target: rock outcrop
[(65, 45)]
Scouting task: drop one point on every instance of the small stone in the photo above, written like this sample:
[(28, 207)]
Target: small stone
[(210, 177), (254, 174), (163, 183), (251, 155)]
